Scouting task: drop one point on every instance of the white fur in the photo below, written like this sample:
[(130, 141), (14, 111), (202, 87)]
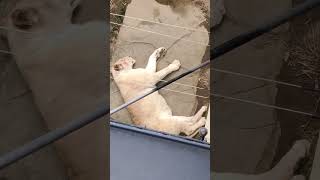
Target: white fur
[(152, 111)]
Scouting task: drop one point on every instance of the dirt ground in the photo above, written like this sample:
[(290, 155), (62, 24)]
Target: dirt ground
[(301, 67)]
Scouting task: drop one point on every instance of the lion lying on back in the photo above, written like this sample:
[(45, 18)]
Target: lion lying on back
[(152, 112)]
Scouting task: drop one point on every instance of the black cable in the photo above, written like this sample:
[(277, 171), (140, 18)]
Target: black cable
[(160, 86), (263, 28), (51, 137), (231, 45), (57, 134)]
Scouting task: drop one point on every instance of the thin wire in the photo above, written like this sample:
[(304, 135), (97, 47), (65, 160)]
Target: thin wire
[(243, 75), (263, 28), (176, 91), (181, 84), (165, 24), (217, 95), (231, 45), (254, 77), (235, 99), (161, 86), (221, 71), (52, 136), (165, 35), (259, 127), (242, 100), (247, 76), (147, 93), (186, 93), (262, 104), (265, 79), (132, 42), (196, 87)]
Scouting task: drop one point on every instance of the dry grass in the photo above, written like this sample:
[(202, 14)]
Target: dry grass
[(204, 6), (117, 7), (204, 84), (304, 56), (204, 79)]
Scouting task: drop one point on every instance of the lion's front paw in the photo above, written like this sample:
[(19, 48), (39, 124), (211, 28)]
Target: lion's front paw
[(160, 52), (175, 64)]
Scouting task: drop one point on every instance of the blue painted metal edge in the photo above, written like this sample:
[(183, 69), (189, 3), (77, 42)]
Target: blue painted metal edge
[(161, 135)]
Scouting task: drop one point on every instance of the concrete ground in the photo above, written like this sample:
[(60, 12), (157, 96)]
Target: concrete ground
[(184, 45), (245, 135)]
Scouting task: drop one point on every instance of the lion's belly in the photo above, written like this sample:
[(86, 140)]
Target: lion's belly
[(149, 108)]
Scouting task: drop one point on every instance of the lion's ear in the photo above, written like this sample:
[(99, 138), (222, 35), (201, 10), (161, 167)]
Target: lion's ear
[(117, 67)]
